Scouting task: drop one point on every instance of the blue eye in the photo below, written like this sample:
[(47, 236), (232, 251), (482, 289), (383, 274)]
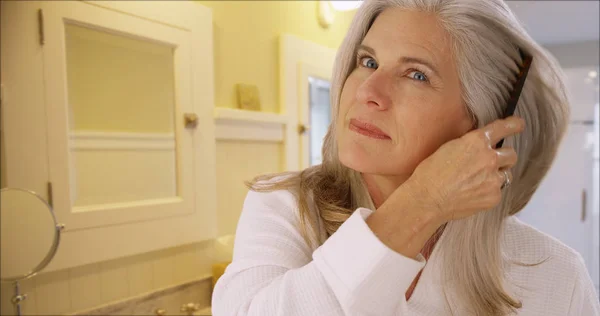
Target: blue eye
[(417, 75), (368, 62)]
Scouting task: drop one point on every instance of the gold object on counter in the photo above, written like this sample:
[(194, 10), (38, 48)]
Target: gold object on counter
[(247, 95), (217, 271)]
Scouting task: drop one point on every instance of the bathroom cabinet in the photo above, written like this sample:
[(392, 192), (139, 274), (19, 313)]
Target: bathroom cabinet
[(107, 112)]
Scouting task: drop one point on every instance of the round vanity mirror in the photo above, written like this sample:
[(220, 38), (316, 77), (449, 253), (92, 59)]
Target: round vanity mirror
[(29, 237), (29, 234)]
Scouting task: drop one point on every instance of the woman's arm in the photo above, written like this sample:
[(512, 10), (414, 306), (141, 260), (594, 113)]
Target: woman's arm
[(463, 177), (274, 272)]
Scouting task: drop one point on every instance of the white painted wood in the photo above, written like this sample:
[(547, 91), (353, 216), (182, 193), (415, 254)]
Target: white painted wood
[(299, 59), (164, 12), (23, 111), (251, 116), (127, 141), (38, 147), (233, 124), (204, 145), (129, 177), (248, 130), (61, 168)]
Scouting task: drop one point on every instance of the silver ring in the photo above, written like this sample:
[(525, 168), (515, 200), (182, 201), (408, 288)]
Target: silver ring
[(506, 183)]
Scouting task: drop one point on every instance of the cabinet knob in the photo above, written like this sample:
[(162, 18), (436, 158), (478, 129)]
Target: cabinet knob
[(303, 128), (191, 120)]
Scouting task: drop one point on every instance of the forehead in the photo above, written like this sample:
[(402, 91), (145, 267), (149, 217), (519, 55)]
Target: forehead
[(407, 32)]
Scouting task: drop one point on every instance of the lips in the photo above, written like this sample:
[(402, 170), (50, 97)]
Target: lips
[(367, 129)]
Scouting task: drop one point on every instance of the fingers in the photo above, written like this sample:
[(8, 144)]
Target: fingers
[(505, 178), (503, 128), (507, 157)]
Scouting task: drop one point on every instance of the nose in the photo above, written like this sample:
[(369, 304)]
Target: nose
[(374, 92)]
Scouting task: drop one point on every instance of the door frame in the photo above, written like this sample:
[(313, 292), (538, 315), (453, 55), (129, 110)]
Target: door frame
[(299, 59)]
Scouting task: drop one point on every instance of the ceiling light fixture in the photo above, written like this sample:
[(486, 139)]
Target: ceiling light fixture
[(326, 10)]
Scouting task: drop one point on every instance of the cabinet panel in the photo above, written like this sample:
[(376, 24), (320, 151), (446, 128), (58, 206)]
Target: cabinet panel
[(125, 80)]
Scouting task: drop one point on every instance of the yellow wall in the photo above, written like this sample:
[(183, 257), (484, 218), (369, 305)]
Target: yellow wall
[(246, 43), (246, 50)]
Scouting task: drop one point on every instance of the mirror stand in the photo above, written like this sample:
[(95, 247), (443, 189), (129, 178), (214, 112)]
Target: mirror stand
[(18, 298), (22, 212)]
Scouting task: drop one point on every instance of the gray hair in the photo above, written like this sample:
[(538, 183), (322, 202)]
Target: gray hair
[(485, 39)]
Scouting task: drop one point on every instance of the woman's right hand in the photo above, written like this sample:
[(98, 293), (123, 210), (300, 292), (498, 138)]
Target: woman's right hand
[(465, 175)]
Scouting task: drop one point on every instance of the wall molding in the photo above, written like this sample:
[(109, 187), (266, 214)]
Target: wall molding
[(234, 124), (121, 140)]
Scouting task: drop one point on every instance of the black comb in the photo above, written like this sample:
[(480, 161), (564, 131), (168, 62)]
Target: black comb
[(518, 87)]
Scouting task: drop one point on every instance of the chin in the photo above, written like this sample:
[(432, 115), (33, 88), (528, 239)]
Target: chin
[(358, 159)]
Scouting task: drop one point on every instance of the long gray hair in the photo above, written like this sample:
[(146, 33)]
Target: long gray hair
[(486, 38)]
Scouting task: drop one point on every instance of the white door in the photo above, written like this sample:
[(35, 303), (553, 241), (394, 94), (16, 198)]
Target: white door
[(565, 205), (317, 115), (305, 72)]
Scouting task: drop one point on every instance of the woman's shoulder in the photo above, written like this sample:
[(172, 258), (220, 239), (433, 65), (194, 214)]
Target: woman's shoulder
[(549, 277), (524, 243), (271, 196), (271, 206)]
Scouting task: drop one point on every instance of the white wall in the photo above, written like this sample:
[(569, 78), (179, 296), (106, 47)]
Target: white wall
[(579, 54)]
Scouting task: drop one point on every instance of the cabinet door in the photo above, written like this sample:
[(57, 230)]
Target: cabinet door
[(93, 102), (117, 88)]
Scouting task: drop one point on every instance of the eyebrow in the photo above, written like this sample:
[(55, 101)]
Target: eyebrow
[(404, 59)]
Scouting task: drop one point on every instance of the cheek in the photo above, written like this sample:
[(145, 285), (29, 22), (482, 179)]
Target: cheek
[(424, 124), (347, 99), (453, 123), (444, 123), (348, 95)]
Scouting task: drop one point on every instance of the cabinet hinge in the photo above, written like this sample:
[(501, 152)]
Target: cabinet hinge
[(41, 26), (50, 195)]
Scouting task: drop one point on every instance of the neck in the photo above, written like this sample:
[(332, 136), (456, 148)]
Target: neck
[(380, 187)]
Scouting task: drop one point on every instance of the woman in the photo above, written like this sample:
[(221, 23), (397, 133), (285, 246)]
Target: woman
[(419, 88)]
